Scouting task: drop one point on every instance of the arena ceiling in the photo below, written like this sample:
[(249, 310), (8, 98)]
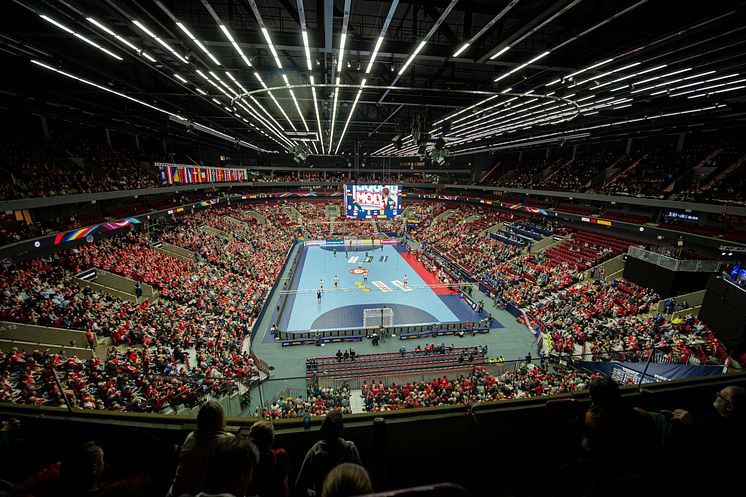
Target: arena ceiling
[(350, 75)]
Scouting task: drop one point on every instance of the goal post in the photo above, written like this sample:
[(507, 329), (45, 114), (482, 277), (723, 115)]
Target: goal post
[(378, 317)]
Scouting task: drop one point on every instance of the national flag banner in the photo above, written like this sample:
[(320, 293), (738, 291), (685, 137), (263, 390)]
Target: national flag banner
[(174, 174)]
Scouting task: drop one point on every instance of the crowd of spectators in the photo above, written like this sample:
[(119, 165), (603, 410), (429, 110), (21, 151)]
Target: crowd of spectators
[(168, 353), (574, 175), (318, 401), (657, 169), (527, 380), (524, 174), (50, 168), (613, 321)]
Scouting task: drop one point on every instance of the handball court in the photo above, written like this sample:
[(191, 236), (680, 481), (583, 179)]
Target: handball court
[(344, 308), (395, 280)]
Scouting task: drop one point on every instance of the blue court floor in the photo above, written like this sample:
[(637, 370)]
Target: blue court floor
[(342, 307)]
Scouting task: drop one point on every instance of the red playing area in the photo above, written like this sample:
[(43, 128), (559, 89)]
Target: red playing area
[(426, 275)]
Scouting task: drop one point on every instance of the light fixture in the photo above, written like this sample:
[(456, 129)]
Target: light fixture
[(161, 42), (518, 68), (318, 115), (271, 47), (173, 116), (411, 57), (121, 39), (80, 36), (236, 47), (374, 55), (498, 54), (460, 50), (198, 43)]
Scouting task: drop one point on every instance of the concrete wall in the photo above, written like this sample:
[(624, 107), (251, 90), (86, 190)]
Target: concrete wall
[(546, 242), (256, 216), (222, 234), (29, 347), (175, 251), (612, 266), (30, 337), (118, 286), (694, 299), (42, 334)]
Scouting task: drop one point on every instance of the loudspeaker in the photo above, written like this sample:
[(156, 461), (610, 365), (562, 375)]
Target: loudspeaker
[(397, 142), (440, 143), (422, 148)]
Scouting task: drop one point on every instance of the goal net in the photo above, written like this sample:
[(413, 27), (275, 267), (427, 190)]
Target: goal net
[(379, 316)]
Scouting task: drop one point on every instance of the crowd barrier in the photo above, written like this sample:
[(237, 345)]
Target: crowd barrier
[(434, 328)]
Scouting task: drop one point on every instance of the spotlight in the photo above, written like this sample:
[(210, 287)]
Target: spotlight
[(300, 152), (438, 155)]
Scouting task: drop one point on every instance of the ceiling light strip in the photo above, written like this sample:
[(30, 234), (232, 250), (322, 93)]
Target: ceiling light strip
[(175, 116), (80, 36), (161, 42), (334, 115), (121, 39), (422, 43), (485, 28), (374, 54), (318, 114), (304, 33), (537, 28), (198, 43), (525, 64), (349, 117)]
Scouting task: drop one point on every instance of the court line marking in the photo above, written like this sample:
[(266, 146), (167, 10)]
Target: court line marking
[(401, 286), (382, 286)]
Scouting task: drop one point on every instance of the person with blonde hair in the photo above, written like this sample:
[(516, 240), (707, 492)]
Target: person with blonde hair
[(197, 448), (347, 480), (271, 472)]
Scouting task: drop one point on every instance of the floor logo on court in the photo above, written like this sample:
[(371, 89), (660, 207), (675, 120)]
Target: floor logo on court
[(358, 270)]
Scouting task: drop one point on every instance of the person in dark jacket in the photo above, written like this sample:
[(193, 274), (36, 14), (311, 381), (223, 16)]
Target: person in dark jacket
[(329, 452)]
